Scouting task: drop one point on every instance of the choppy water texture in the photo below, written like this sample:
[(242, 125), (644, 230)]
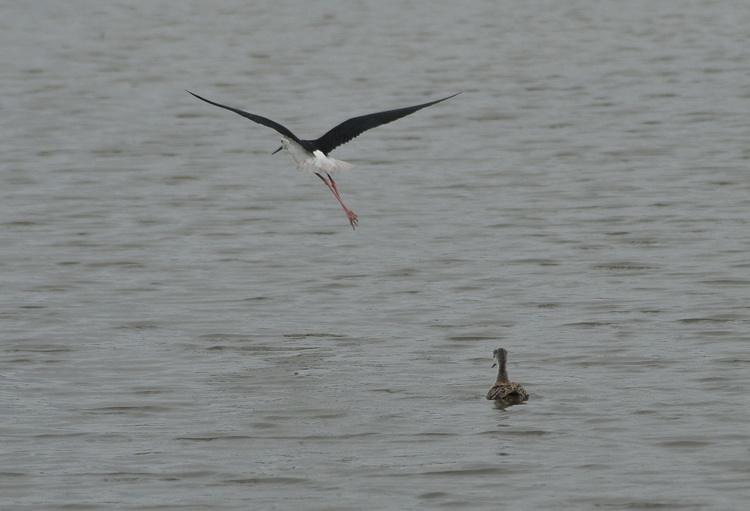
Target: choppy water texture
[(190, 323)]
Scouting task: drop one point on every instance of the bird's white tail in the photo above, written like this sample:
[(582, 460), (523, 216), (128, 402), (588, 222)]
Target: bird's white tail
[(324, 164)]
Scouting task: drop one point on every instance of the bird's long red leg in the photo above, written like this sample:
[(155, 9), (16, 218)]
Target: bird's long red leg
[(331, 184)]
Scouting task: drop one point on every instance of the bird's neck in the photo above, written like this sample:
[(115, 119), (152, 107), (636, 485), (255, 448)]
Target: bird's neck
[(298, 152), (502, 371)]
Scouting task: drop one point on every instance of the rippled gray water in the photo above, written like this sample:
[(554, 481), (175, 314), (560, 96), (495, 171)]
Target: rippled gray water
[(190, 323)]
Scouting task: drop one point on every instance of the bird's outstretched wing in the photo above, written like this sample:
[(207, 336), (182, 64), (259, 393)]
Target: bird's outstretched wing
[(283, 130), (355, 126)]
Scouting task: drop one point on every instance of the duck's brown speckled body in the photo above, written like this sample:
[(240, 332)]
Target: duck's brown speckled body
[(504, 389)]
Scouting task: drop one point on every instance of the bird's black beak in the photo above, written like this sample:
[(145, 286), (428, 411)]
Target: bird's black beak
[(493, 365), (277, 150)]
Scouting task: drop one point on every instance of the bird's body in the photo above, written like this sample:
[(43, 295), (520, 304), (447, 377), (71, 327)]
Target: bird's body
[(314, 161), (313, 155), (507, 391), (504, 389)]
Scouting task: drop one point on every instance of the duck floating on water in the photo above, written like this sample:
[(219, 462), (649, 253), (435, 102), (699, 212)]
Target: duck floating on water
[(505, 390)]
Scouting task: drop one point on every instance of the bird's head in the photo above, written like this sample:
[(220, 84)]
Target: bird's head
[(284, 145), (498, 355)]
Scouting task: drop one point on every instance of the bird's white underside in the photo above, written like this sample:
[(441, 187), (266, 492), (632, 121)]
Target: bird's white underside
[(316, 161)]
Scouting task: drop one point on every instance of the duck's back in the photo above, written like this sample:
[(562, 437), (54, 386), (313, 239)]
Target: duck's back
[(507, 391)]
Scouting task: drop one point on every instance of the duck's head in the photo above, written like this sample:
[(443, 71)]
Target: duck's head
[(499, 355)]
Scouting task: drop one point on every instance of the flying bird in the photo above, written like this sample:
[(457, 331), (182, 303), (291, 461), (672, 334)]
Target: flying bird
[(312, 155)]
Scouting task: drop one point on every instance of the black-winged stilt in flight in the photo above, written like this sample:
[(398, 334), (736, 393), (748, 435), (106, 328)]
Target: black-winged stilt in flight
[(312, 155)]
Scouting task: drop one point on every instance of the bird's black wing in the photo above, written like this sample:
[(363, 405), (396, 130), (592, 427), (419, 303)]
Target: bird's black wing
[(255, 118), (354, 127)]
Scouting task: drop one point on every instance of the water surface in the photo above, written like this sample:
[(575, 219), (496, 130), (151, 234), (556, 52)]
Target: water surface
[(190, 323)]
